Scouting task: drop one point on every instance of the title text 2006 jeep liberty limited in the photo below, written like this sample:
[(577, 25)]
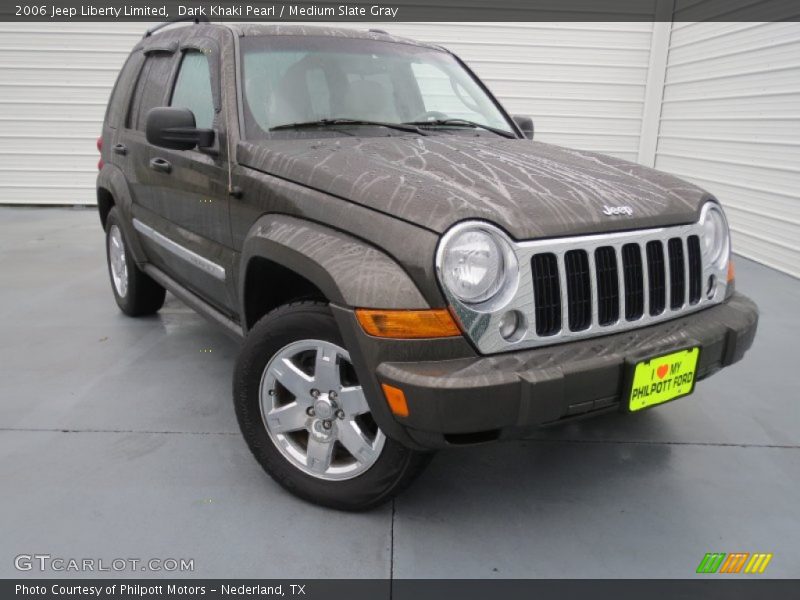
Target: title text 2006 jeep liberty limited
[(408, 269)]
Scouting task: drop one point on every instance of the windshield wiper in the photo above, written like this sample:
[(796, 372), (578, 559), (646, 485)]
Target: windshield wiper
[(409, 127), (461, 123)]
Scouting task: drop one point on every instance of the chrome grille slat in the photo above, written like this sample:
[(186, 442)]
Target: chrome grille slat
[(667, 277), (695, 269), (645, 280), (656, 277), (685, 246), (562, 275), (593, 290), (620, 284)]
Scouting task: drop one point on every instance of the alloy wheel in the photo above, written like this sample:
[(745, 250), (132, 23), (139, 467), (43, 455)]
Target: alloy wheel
[(315, 411)]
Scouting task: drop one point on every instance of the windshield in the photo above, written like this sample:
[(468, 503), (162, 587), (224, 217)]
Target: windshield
[(303, 79)]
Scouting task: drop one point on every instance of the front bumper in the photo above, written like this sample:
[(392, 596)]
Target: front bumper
[(479, 398)]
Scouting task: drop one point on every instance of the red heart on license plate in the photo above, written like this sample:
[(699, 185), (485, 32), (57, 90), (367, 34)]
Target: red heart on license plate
[(662, 371)]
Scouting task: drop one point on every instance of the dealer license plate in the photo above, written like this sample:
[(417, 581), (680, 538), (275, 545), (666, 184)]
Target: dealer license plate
[(663, 378)]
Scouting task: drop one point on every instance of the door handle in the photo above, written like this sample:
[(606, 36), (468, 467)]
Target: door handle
[(160, 164), (120, 149)]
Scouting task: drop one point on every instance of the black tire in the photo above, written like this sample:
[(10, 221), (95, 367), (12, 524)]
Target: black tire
[(143, 296), (394, 469)]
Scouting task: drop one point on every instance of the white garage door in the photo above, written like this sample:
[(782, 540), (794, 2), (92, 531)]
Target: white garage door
[(730, 121), (55, 80)]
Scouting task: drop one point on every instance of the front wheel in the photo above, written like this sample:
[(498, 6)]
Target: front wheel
[(306, 418)]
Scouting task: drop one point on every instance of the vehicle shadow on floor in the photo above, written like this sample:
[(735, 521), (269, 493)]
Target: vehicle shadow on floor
[(558, 464)]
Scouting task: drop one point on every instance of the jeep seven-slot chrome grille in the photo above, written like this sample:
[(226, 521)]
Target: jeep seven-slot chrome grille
[(592, 285), (641, 270)]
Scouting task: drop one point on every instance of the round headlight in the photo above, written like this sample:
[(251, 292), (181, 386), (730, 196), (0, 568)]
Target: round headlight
[(715, 237), (473, 265)]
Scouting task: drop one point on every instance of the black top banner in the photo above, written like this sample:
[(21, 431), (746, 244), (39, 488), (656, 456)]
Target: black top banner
[(402, 10)]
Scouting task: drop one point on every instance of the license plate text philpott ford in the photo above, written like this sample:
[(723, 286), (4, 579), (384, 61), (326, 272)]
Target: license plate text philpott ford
[(663, 378)]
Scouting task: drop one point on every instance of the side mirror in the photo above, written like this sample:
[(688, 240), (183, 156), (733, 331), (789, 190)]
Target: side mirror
[(171, 127), (525, 124)]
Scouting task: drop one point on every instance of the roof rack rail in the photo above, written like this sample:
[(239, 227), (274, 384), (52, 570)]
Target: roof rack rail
[(152, 30)]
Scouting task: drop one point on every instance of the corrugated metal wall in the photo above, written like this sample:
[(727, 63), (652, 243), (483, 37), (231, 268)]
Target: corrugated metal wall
[(55, 79), (730, 121), (730, 116)]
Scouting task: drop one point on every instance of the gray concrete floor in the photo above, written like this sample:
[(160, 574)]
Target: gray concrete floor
[(118, 439)]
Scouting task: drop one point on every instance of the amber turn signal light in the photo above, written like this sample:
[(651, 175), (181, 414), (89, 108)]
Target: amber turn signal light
[(396, 400), (407, 324), (731, 271)]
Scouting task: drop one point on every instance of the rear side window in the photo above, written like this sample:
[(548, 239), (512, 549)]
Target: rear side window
[(150, 89), (193, 88), (117, 104)]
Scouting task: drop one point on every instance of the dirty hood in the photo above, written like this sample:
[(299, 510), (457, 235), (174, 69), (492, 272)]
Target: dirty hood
[(530, 189)]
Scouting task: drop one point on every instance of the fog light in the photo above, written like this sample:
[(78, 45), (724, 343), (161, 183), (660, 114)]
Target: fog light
[(512, 326), (712, 286)]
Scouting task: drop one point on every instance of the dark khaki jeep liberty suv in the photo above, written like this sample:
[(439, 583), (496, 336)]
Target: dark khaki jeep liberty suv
[(407, 269)]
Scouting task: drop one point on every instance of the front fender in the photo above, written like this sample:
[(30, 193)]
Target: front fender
[(347, 270)]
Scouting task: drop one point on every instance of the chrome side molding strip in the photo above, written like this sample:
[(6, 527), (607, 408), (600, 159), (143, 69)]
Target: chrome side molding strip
[(192, 258)]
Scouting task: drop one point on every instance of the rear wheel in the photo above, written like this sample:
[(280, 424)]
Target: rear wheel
[(135, 292), (306, 418)]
